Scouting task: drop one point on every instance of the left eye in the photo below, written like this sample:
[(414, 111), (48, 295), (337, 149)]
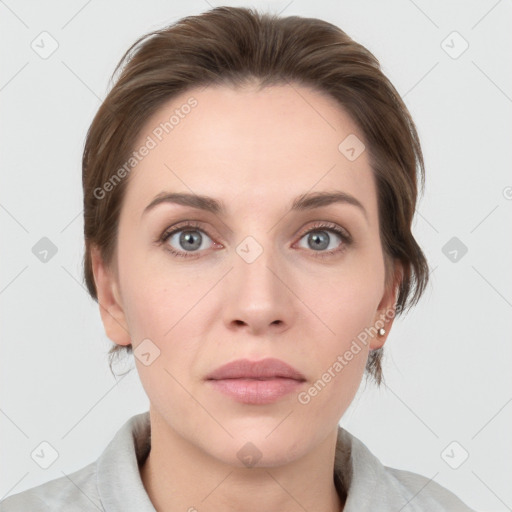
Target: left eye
[(320, 239)]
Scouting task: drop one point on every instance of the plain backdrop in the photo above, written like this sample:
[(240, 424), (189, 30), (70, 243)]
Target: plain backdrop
[(447, 363)]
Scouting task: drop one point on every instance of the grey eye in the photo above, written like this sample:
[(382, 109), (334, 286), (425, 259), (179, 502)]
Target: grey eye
[(189, 240), (319, 240)]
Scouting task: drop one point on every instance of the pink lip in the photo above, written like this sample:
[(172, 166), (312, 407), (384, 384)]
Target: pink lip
[(256, 382), (265, 369), (256, 392)]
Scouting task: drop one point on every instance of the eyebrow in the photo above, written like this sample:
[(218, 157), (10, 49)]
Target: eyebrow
[(308, 201)]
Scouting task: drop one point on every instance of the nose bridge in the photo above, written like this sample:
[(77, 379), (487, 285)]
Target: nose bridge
[(255, 291), (255, 258)]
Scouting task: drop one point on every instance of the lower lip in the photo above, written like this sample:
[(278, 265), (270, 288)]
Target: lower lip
[(257, 392)]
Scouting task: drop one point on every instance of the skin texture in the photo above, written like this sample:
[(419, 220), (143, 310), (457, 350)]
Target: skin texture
[(256, 151)]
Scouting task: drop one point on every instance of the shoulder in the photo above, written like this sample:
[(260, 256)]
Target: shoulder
[(113, 481), (372, 486), (424, 493), (71, 493)]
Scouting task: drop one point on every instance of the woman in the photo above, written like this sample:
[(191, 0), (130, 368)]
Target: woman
[(249, 187)]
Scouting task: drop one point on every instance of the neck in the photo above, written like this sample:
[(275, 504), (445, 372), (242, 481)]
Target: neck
[(179, 476)]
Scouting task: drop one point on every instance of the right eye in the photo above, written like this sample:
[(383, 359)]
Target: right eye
[(185, 239)]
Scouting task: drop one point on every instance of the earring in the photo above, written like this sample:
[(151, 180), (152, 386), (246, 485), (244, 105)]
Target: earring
[(381, 331)]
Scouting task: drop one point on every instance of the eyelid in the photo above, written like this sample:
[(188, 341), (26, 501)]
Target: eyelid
[(319, 225), (186, 225)]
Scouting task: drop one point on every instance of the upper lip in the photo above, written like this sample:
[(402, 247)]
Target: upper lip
[(263, 369)]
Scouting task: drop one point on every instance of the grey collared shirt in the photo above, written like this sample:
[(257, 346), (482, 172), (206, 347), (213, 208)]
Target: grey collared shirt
[(113, 483)]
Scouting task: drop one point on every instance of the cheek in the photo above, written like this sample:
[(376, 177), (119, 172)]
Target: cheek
[(173, 309), (158, 304), (162, 310), (345, 342), (344, 307), (345, 299), (156, 293), (341, 342)]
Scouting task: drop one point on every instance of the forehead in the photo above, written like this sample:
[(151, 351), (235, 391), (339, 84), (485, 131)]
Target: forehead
[(254, 145)]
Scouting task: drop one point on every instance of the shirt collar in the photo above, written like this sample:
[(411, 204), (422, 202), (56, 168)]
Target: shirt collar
[(118, 477), (359, 476)]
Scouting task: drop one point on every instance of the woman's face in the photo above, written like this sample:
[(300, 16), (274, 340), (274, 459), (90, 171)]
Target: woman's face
[(258, 279)]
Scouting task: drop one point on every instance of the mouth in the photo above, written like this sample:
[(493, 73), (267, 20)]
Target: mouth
[(256, 391), (269, 368), (256, 382)]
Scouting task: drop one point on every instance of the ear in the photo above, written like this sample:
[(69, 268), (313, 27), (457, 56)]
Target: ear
[(386, 311), (109, 300)]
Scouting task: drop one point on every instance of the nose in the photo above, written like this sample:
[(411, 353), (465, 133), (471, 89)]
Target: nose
[(258, 298)]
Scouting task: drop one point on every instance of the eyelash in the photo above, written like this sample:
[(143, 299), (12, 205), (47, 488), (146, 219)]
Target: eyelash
[(192, 226)]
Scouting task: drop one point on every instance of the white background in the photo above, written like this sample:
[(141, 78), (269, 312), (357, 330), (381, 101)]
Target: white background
[(448, 363)]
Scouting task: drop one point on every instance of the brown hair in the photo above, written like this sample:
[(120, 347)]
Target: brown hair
[(229, 45)]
